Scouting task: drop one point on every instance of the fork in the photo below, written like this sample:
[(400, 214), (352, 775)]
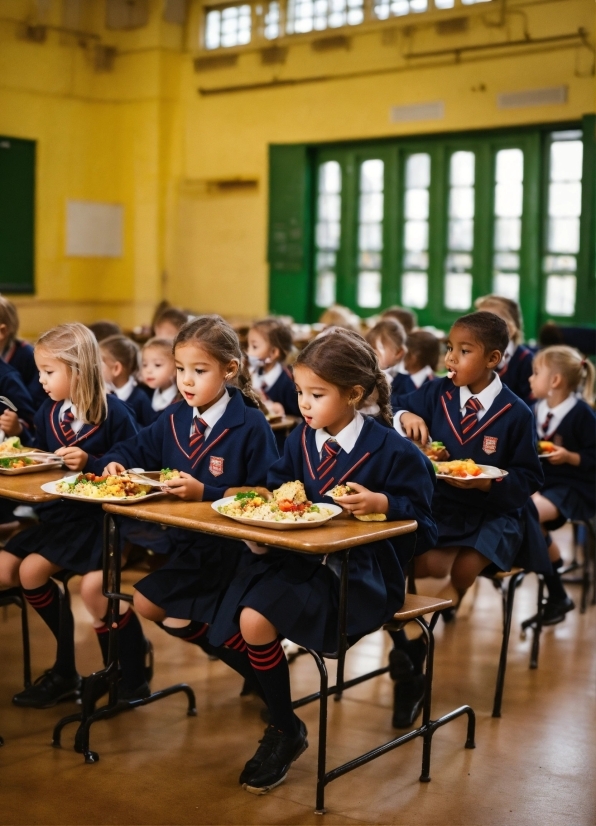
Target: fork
[(9, 404), (145, 480)]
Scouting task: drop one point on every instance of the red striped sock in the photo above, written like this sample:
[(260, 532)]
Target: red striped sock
[(271, 670)]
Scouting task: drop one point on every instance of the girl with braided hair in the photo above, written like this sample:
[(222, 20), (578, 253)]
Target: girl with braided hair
[(283, 594)]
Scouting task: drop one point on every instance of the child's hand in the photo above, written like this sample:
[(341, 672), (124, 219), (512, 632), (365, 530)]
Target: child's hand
[(113, 469), (559, 456), (364, 501), (415, 428), (261, 491), (74, 457), (186, 487), (10, 424), (480, 484)]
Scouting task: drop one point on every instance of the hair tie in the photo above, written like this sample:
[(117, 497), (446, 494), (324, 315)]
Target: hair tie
[(583, 364)]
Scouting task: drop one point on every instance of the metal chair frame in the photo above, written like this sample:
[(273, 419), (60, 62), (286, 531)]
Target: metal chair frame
[(587, 565), (426, 730), (96, 683), (14, 596)]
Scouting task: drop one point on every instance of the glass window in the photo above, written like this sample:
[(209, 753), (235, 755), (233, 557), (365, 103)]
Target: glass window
[(230, 26), (272, 21), (383, 9), (508, 207), (316, 15), (457, 293), (370, 233), (414, 280), (327, 233), (563, 223)]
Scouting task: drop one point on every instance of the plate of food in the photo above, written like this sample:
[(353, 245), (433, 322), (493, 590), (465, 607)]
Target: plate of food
[(13, 447), (88, 487), (338, 491), (467, 469), (288, 509), (545, 448), (15, 465)]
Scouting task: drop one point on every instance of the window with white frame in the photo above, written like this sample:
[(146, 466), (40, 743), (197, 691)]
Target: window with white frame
[(228, 26), (327, 233)]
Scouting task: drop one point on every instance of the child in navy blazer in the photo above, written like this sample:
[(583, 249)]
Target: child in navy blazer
[(14, 424), (515, 367), (569, 423), (269, 345), (388, 340), (120, 365), (219, 441), (79, 423), (282, 594), (158, 373), (18, 353)]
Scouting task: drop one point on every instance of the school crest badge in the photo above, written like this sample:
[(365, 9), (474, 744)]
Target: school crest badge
[(489, 445), (216, 465)]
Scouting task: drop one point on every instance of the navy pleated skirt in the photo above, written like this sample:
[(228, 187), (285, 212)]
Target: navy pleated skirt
[(196, 575)]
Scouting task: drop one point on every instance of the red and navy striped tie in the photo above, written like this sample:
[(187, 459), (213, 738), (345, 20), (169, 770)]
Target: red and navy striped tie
[(470, 420), (198, 431), (546, 424), (331, 448), (66, 427)]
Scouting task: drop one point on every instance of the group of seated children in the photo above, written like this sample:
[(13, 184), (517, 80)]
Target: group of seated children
[(203, 416)]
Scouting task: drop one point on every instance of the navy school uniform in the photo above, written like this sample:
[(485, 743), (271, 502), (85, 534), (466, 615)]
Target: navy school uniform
[(238, 451), (283, 391), (401, 385), (516, 373), (500, 524), (20, 356), (140, 404), (299, 593), (571, 489), (13, 387), (69, 534)]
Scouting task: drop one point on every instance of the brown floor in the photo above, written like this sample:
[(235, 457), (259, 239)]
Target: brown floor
[(534, 765)]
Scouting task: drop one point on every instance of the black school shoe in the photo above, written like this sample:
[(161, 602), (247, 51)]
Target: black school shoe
[(49, 690), (409, 689), (278, 751), (553, 612)]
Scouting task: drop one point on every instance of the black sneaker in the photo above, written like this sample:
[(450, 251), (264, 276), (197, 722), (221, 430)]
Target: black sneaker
[(141, 692), (283, 750), (553, 612), (266, 744), (49, 690), (408, 697)]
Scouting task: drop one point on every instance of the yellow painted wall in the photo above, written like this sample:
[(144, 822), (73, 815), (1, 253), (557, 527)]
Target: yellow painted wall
[(143, 136)]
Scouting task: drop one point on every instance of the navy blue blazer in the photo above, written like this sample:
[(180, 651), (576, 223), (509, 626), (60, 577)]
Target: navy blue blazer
[(13, 387), (577, 433), (140, 404), (516, 373), (239, 450), (504, 437), (283, 391), (401, 386), (20, 356)]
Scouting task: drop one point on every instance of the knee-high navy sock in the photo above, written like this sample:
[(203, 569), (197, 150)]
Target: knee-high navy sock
[(271, 670), (59, 619), (556, 589), (234, 653), (194, 632), (103, 638), (416, 649), (132, 648)]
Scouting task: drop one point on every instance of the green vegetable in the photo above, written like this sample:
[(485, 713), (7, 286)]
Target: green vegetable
[(249, 494)]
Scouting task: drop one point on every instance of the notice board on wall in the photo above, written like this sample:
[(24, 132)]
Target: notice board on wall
[(94, 230)]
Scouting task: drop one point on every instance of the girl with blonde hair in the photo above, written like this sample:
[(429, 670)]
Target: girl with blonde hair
[(566, 434), (79, 423)]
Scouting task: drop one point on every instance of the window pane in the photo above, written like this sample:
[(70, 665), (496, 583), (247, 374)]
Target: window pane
[(414, 290), (506, 261), (371, 176), (370, 237), (506, 284), (416, 260), (509, 166), (369, 289), (563, 235), (307, 16), (458, 291), (325, 293), (329, 207), (416, 205), (461, 235), (418, 171), (560, 263), (330, 177), (461, 202), (416, 235), (565, 199), (369, 260), (462, 169), (509, 200), (566, 161), (327, 232), (560, 295), (459, 262), (507, 234), (371, 207)]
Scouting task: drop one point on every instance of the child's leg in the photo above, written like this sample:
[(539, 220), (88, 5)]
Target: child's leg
[(559, 602), (42, 593), (285, 739), (9, 570), (131, 640)]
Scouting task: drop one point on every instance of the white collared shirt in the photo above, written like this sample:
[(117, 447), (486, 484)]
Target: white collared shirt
[(123, 393), (420, 376), (213, 414), (77, 423), (486, 397), (163, 398), (267, 380), (509, 351), (346, 438), (559, 412)]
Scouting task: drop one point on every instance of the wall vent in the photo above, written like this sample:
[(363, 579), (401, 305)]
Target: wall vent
[(453, 25), (273, 54), (532, 97), (434, 110), (329, 44), (206, 64)]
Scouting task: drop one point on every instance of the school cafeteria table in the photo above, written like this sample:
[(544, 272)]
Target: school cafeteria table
[(337, 536), (285, 424)]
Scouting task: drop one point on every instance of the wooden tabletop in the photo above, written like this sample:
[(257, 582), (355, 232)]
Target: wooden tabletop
[(337, 535), (285, 423), (26, 487)]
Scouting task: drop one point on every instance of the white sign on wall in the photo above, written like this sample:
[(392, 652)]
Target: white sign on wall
[(94, 230)]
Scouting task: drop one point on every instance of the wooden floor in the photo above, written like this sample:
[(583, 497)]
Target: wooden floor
[(535, 765)]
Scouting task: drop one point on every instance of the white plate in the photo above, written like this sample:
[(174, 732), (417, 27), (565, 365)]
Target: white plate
[(42, 463), (488, 472), (276, 526), (50, 487), (544, 455)]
